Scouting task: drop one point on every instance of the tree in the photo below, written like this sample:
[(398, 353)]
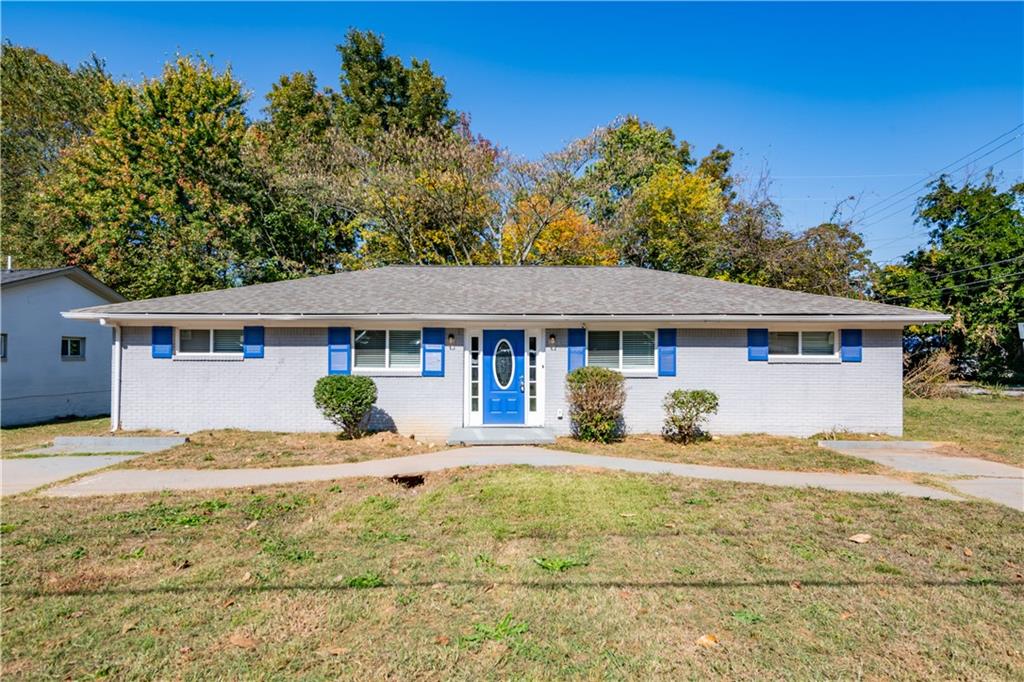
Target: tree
[(47, 106), (156, 200), (380, 94), (971, 269)]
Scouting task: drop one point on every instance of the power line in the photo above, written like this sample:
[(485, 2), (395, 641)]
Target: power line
[(962, 227), (900, 210), (976, 267), (1014, 276), (871, 212), (915, 184)]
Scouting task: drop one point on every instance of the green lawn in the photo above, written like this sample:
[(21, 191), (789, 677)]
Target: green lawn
[(514, 572), (984, 426)]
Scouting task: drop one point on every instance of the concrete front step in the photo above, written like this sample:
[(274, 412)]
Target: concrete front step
[(501, 435)]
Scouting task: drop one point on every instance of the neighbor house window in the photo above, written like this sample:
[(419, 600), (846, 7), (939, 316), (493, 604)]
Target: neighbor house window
[(622, 350), (386, 349), (72, 348), (801, 343), (228, 341)]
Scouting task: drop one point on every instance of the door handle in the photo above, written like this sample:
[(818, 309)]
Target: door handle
[(521, 385)]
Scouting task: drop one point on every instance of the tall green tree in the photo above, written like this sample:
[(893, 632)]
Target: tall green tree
[(45, 106), (972, 268), (379, 93), (156, 200)]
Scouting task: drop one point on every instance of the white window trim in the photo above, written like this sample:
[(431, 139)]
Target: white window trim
[(387, 368), (800, 356), (72, 358), (208, 354), (632, 371)]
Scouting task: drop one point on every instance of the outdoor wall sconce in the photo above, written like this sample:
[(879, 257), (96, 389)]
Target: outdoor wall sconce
[(451, 341), (551, 341)]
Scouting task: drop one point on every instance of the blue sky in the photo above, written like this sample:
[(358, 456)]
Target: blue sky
[(834, 99)]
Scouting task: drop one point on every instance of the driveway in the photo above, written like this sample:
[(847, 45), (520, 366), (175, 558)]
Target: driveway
[(993, 481), (25, 473), (120, 481)]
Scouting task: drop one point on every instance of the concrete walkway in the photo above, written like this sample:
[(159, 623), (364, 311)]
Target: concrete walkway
[(20, 474), (993, 481), (105, 444), (143, 480)]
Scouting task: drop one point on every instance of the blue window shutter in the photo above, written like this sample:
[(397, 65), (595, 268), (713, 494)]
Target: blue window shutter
[(163, 342), (252, 342), (339, 350), (432, 348), (577, 347), (757, 345), (666, 352), (851, 345)]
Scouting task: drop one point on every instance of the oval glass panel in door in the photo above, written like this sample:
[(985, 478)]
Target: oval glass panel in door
[(504, 364)]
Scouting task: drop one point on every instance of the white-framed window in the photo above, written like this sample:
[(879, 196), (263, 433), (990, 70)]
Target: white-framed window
[(624, 351), (802, 344), (3, 346), (397, 349), (209, 341), (72, 348)]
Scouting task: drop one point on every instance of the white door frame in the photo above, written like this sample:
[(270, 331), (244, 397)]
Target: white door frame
[(534, 418)]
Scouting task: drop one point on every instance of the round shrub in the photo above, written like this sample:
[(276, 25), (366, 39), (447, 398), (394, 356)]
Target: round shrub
[(346, 401), (596, 396), (685, 412)]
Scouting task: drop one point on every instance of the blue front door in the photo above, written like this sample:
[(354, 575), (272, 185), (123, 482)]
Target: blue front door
[(504, 401)]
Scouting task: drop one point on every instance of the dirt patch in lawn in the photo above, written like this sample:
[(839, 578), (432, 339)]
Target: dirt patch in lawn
[(752, 452), (234, 449), (512, 573)]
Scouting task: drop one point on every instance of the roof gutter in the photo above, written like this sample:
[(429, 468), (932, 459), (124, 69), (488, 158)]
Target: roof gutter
[(105, 318)]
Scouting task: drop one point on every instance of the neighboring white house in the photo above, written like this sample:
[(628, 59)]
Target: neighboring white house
[(461, 347), (51, 366)]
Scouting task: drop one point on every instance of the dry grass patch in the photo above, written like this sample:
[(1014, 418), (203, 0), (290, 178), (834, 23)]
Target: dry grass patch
[(982, 426), (366, 579), (753, 452), (17, 439), (231, 449)]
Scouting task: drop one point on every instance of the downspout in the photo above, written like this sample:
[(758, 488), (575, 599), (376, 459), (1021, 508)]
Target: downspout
[(115, 381)]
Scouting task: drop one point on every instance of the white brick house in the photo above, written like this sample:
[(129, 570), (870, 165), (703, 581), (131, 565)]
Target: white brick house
[(453, 347)]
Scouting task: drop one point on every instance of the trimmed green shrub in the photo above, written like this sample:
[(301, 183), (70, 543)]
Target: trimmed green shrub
[(346, 401), (685, 411), (596, 396)]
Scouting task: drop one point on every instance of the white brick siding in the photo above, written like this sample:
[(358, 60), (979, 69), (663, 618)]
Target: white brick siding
[(275, 393), (760, 397)]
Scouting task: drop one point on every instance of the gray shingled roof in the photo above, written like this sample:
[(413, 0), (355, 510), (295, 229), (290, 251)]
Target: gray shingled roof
[(12, 276), (569, 291)]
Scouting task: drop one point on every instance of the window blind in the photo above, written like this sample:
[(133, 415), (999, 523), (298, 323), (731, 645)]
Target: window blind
[(405, 347), (370, 347), (637, 350), (603, 349)]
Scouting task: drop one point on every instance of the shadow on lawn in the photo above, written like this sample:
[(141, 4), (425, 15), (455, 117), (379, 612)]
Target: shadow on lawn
[(532, 584)]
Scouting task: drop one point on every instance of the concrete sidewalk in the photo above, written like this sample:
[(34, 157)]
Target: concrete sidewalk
[(995, 481), (25, 473), (142, 480)]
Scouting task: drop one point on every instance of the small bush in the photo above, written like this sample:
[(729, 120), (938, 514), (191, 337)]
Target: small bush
[(685, 411), (346, 401), (596, 397)]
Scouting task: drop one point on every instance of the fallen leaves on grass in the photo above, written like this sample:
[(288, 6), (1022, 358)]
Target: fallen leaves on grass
[(860, 538), (242, 640), (129, 626), (708, 641)]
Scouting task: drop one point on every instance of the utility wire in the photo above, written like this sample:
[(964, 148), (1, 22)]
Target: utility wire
[(1012, 275), (928, 177), (902, 209), (963, 227), (873, 211), (976, 267)]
